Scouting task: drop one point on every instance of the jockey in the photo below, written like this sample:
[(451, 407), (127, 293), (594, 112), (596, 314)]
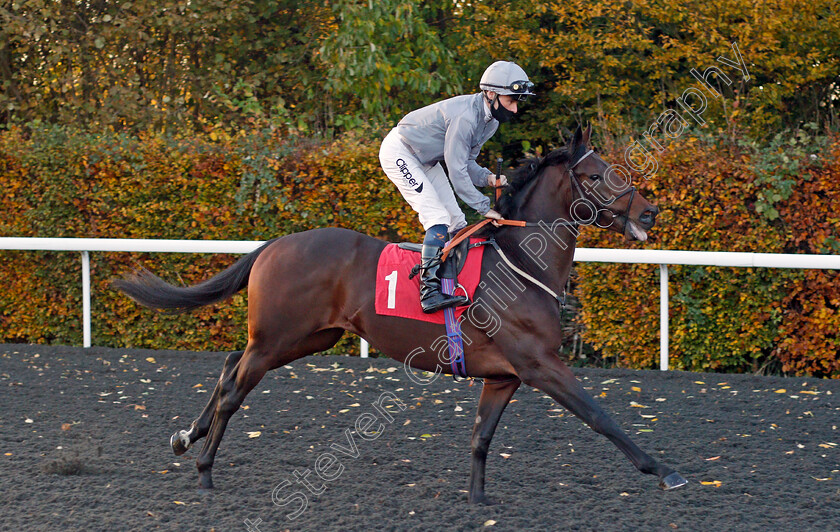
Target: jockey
[(451, 131)]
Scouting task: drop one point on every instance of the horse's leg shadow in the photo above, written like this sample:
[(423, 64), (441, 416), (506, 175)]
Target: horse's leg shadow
[(495, 396), (182, 440), (553, 377)]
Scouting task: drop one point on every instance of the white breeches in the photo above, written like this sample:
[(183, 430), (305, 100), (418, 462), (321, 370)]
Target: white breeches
[(425, 187)]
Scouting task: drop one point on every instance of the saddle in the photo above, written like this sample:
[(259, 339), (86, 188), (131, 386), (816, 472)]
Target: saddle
[(452, 264)]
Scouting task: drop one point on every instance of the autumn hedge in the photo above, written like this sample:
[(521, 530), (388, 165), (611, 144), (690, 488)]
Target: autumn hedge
[(252, 187), (715, 195), (723, 196)]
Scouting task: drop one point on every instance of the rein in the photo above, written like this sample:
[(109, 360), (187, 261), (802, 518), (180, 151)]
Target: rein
[(468, 231)]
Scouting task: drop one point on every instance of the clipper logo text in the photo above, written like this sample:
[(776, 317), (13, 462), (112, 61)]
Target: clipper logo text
[(409, 179)]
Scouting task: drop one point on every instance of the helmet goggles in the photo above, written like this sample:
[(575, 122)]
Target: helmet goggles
[(519, 90)]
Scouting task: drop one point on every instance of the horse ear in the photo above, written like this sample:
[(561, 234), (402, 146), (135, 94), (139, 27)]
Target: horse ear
[(586, 134), (576, 139)]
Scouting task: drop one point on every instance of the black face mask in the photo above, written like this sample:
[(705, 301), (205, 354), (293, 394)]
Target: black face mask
[(498, 111)]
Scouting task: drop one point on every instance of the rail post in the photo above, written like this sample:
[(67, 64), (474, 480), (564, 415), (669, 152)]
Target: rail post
[(86, 297), (663, 317)]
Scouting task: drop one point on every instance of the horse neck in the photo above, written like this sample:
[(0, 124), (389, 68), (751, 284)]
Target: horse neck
[(546, 250)]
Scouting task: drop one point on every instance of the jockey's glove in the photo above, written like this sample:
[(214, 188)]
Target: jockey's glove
[(491, 180), (493, 215)]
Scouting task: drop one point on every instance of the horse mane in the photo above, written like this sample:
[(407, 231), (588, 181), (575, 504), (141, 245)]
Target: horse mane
[(528, 170)]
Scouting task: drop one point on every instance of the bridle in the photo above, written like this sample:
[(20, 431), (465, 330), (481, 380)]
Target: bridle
[(466, 232), (578, 188)]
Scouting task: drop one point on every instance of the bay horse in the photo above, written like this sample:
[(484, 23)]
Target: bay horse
[(306, 289)]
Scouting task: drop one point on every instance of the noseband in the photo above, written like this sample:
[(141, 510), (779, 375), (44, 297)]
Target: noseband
[(576, 187)]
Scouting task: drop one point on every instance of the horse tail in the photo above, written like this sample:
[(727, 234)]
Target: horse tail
[(151, 291)]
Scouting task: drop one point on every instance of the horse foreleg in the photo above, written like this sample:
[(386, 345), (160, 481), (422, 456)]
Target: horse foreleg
[(233, 388), (183, 439), (554, 378), (495, 396)]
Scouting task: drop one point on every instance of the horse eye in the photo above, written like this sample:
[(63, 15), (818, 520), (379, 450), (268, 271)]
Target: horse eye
[(596, 177)]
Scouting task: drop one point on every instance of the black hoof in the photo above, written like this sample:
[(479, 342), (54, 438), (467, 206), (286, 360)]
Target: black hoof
[(177, 445), (484, 501), (672, 481)]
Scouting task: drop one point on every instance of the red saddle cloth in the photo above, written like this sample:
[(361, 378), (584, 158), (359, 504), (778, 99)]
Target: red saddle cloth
[(397, 295)]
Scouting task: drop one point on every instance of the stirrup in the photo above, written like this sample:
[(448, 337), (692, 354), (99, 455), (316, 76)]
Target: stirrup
[(440, 301)]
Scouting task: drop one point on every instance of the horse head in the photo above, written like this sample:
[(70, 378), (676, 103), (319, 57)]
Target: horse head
[(575, 186)]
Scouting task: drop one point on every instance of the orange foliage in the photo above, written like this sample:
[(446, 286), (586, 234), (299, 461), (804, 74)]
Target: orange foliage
[(64, 184), (725, 319)]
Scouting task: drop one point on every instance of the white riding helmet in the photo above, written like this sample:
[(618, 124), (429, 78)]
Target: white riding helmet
[(506, 77)]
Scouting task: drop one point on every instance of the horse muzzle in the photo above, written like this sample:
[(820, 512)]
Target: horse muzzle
[(637, 229)]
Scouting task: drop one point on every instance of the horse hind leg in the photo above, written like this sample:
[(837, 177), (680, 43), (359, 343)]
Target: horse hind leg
[(244, 376), (182, 440), (232, 391)]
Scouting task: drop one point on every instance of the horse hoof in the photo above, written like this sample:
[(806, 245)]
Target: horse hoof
[(177, 444), (672, 481), (484, 501)]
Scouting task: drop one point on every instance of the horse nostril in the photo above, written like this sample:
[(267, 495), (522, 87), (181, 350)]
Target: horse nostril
[(648, 216)]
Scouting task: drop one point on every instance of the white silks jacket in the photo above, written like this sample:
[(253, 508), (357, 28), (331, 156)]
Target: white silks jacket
[(453, 131)]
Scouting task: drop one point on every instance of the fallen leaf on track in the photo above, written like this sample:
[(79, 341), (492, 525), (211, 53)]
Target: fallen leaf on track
[(151, 360), (715, 483), (255, 434)]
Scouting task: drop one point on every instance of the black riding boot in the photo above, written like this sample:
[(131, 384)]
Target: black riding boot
[(431, 297)]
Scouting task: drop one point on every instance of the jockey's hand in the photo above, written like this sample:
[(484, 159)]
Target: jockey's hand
[(493, 215), (491, 180)]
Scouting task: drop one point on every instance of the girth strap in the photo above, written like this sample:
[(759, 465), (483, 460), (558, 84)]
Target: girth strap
[(453, 333)]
